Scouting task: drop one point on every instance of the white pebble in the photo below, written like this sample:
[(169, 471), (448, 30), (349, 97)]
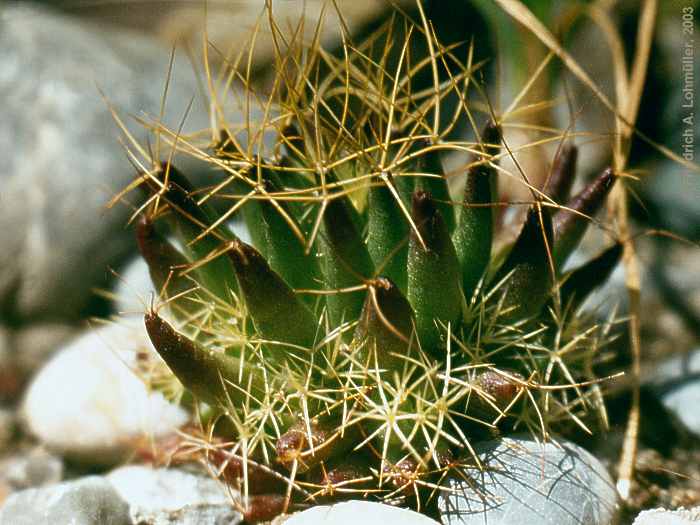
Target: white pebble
[(354, 512), (88, 404), (668, 517), (148, 490)]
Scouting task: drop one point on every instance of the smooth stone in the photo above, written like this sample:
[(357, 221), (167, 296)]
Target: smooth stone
[(673, 197), (34, 468), (194, 515), (88, 501), (682, 367), (149, 489), (33, 344), (354, 512), (62, 158), (87, 402), (677, 383), (526, 482), (158, 495), (185, 21), (668, 517)]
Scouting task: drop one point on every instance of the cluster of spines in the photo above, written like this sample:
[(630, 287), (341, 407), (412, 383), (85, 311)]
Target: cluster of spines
[(384, 330)]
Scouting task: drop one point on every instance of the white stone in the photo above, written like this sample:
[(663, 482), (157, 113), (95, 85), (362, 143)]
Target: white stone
[(203, 514), (529, 483), (358, 512), (87, 402), (171, 496), (668, 517), (134, 290), (147, 489)]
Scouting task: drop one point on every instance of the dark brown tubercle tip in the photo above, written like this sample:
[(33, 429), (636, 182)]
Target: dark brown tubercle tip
[(424, 213), (558, 187), (491, 137)]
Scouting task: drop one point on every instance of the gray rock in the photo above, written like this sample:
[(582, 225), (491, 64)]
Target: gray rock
[(673, 193), (34, 344), (668, 517), (354, 512), (681, 367), (526, 482), (89, 501), (194, 515), (87, 403), (677, 382), (62, 160), (160, 496), (34, 468), (185, 21)]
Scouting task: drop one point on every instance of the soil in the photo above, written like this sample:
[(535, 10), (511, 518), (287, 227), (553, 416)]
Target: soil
[(668, 482)]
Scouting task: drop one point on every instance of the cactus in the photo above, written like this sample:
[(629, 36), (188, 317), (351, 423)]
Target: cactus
[(369, 334)]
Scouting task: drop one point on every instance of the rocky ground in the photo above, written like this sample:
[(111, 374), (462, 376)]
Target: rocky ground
[(73, 413)]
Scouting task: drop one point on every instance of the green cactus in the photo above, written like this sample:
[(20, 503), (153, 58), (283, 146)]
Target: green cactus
[(369, 334)]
